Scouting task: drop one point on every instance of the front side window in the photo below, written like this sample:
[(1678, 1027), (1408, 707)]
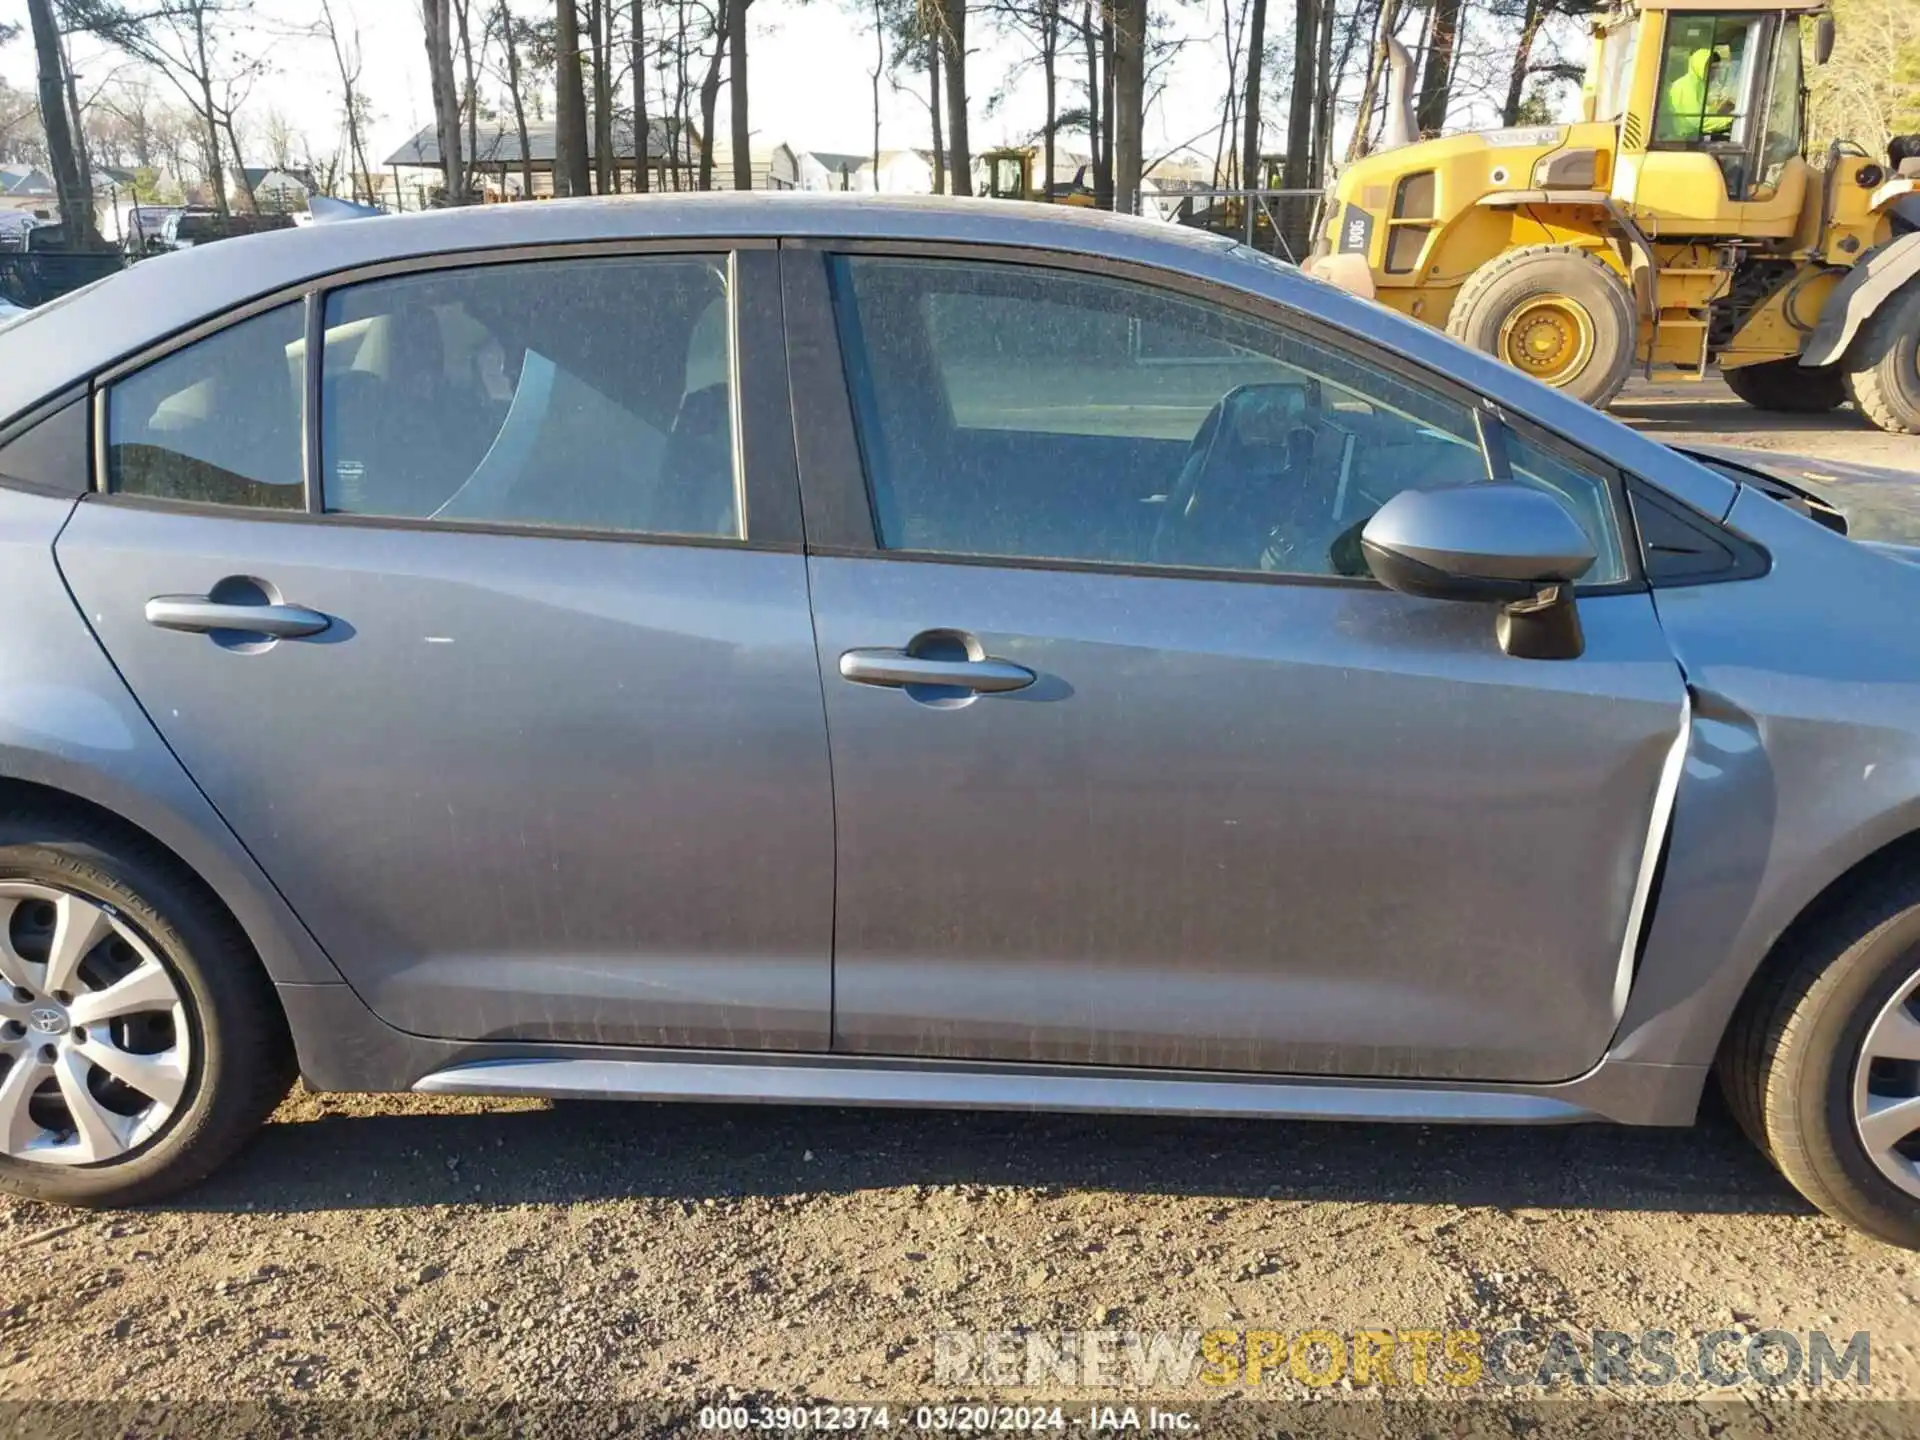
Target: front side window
[(215, 422), (1706, 78), (1018, 412), (1615, 80), (588, 394)]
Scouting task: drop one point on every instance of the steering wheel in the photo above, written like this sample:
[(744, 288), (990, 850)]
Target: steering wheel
[(1234, 478)]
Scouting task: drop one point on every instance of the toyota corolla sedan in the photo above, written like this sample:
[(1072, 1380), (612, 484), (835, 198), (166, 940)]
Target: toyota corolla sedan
[(931, 653)]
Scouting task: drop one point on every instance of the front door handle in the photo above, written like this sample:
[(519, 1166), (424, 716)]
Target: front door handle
[(897, 668), (198, 614)]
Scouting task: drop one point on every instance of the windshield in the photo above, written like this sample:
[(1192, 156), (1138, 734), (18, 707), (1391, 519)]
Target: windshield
[(1706, 78)]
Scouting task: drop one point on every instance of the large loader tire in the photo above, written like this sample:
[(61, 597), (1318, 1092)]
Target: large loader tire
[(1788, 386), (1883, 363), (1555, 312)]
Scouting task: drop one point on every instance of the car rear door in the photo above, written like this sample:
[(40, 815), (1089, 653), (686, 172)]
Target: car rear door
[(488, 634), (1134, 764)]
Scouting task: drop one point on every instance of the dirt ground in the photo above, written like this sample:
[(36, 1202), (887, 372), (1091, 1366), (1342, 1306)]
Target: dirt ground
[(413, 1250)]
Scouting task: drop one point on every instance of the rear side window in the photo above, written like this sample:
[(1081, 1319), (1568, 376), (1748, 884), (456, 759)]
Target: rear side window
[(587, 394), (217, 422)]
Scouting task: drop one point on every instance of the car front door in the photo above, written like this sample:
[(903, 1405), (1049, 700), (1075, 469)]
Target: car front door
[(1134, 763), (497, 655)]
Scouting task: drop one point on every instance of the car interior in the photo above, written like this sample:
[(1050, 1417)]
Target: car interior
[(1174, 434), (454, 396)]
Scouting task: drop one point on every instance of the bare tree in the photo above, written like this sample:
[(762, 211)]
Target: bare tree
[(437, 20), (737, 93), (570, 161), (1436, 76), (640, 122), (1256, 47), (951, 23), (279, 138), (1038, 23), (879, 69), (471, 61), (511, 32), (936, 110), (353, 104), (600, 113), (1391, 12), (76, 202), (1129, 99), (710, 92), (193, 45)]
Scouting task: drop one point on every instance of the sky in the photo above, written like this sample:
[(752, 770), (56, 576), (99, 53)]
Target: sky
[(810, 78)]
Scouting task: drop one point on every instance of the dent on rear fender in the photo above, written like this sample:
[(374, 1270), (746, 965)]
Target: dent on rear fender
[(68, 722), (1803, 760)]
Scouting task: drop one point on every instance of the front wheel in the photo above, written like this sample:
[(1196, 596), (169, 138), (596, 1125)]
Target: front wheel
[(140, 1042), (1822, 1064), (1788, 386), (1883, 363), (1555, 312)]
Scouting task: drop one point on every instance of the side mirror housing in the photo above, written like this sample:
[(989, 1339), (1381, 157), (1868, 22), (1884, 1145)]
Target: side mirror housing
[(1823, 40), (1500, 542)]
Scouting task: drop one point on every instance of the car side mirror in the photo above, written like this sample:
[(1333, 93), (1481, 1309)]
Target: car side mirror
[(1499, 542), (1823, 40)]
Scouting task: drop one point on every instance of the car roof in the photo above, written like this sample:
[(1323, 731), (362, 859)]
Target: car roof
[(67, 341), (157, 297)]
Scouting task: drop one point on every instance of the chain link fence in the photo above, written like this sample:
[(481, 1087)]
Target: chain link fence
[(1282, 223)]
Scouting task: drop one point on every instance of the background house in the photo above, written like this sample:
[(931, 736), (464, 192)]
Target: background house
[(272, 189), (829, 169), (413, 178), (900, 172), (28, 189), (774, 167)]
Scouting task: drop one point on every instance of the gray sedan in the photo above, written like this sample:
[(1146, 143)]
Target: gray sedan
[(947, 654)]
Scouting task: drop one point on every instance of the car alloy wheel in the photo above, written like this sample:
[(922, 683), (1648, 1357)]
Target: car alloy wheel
[(95, 1046), (1886, 1088)]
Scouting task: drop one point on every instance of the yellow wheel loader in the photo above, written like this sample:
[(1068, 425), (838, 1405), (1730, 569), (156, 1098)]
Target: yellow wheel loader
[(1679, 225), (1010, 177)]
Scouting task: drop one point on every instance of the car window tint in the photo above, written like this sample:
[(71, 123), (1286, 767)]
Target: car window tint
[(1016, 411), (590, 394), (216, 422)]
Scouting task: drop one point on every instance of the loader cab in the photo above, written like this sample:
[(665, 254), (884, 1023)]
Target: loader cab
[(1009, 174), (1711, 137)]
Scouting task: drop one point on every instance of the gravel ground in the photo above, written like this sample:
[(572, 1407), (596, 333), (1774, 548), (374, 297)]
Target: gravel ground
[(407, 1249)]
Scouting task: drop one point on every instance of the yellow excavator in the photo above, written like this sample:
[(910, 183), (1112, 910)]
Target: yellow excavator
[(1678, 226)]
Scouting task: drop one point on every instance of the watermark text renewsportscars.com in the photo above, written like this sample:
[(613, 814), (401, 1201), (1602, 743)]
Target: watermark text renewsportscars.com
[(1400, 1359)]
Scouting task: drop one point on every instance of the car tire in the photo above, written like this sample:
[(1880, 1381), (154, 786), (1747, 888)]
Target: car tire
[(1558, 293), (1789, 387), (214, 1048), (1883, 363), (1798, 1065)]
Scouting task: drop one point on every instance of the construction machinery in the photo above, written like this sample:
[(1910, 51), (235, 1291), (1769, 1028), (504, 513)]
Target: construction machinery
[(1679, 225), (1010, 177)]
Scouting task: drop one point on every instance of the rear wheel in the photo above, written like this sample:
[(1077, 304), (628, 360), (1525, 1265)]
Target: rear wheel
[(1555, 312), (140, 1043), (1822, 1064), (1883, 363), (1788, 386)]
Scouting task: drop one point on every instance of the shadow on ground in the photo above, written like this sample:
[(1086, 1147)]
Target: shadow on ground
[(586, 1151), (1665, 412)]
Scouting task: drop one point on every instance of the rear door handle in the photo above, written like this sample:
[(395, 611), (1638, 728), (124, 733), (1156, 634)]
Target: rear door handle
[(197, 614), (897, 668)]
